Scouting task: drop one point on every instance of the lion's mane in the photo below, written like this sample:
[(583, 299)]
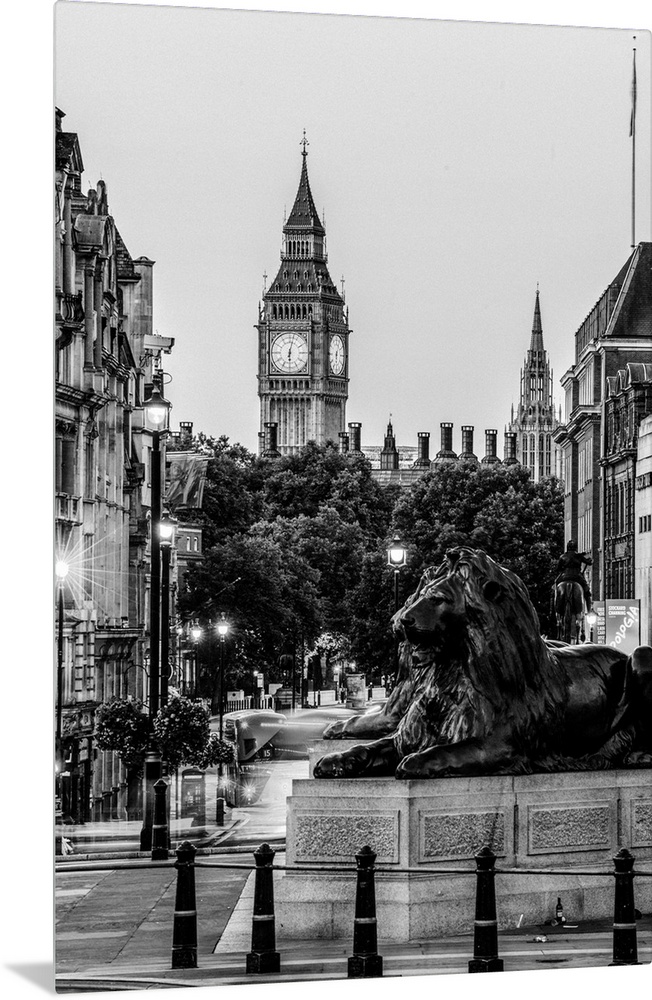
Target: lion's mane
[(496, 665)]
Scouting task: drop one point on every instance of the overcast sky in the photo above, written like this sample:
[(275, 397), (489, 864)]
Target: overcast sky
[(401, 192), (456, 164)]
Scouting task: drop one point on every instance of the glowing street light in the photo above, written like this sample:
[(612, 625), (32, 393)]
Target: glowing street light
[(591, 619), (397, 559), (222, 630), (166, 531), (61, 572), (156, 409)]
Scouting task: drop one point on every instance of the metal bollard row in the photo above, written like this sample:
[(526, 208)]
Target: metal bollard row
[(184, 936), (263, 956), (160, 837), (485, 927), (625, 948), (365, 962)]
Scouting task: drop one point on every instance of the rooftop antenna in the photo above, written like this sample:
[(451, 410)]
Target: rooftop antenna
[(632, 132)]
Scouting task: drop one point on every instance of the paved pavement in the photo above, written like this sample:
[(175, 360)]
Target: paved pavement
[(114, 931)]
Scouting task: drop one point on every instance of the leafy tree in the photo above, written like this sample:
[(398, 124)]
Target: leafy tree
[(496, 508), (232, 498)]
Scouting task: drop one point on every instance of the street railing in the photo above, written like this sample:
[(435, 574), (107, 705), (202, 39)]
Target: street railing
[(365, 962)]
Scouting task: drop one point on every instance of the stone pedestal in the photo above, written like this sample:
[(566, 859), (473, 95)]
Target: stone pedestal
[(555, 821)]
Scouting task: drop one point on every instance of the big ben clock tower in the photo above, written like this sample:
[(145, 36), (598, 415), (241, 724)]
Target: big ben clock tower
[(303, 336)]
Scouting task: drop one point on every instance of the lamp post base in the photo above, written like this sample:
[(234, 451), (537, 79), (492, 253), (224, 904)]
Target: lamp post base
[(153, 772)]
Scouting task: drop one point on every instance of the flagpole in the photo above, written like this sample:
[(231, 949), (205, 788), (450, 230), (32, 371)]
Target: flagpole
[(632, 132)]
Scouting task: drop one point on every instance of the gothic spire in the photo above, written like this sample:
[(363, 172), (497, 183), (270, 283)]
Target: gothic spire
[(536, 342), (304, 214)]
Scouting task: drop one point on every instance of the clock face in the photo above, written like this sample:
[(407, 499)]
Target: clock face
[(336, 354), (290, 353)]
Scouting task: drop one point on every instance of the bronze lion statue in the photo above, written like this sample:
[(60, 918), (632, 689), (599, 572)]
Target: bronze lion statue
[(481, 692)]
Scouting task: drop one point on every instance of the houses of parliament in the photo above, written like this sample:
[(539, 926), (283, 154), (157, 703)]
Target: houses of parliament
[(303, 372)]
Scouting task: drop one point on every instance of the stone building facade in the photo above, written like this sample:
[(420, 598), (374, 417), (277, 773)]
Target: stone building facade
[(628, 402), (106, 361), (643, 527), (598, 440)]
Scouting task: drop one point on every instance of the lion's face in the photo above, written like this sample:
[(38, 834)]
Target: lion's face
[(436, 616), (439, 609)]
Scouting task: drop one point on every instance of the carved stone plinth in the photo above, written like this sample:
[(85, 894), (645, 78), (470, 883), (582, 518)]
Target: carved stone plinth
[(559, 821)]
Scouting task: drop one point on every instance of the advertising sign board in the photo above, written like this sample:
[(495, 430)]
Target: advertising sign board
[(618, 624)]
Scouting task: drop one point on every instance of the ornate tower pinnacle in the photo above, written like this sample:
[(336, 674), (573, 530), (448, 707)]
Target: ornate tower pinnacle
[(303, 334), (535, 419)]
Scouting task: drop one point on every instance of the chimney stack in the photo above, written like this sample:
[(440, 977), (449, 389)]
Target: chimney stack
[(344, 442), (185, 429), (354, 437), (490, 437), (509, 455), (423, 450), (270, 449), (466, 455), (446, 454)]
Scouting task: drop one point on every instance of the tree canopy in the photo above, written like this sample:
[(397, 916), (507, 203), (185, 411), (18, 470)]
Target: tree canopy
[(295, 548)]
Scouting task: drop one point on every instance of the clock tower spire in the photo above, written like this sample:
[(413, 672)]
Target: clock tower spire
[(303, 334)]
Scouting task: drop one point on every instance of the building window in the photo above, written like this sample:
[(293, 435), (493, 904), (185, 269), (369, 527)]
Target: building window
[(65, 465)]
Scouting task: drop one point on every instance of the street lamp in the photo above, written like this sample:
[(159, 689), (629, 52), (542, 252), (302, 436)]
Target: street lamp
[(591, 619), (396, 558), (61, 572), (156, 408), (222, 630), (166, 529), (196, 633)]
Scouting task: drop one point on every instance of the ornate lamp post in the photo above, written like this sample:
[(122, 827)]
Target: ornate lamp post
[(156, 408), (61, 572), (591, 619), (396, 558), (166, 530), (222, 630), (196, 633)]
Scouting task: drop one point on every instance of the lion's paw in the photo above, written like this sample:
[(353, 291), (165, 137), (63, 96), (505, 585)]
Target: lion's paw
[(348, 764), (334, 730), (410, 767)]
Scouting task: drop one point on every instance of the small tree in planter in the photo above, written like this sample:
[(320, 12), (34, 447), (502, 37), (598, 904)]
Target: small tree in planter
[(181, 732), (122, 725)]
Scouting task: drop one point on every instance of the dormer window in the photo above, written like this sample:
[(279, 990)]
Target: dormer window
[(285, 274)]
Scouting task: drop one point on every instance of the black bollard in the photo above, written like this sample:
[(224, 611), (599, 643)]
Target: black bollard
[(365, 961), (485, 930), (160, 824), (625, 947), (184, 936), (263, 956)]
